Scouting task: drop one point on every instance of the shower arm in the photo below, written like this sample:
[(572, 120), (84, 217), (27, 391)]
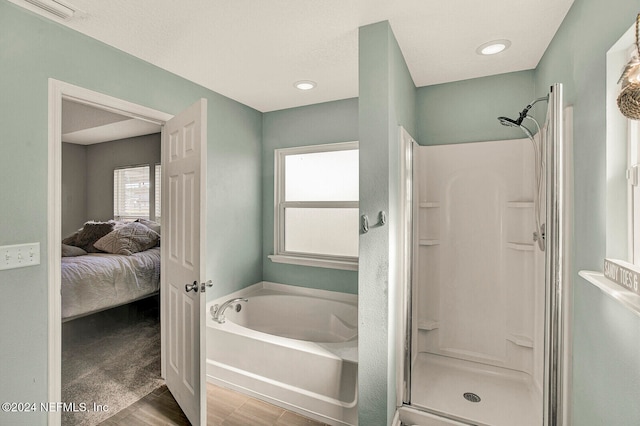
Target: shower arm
[(525, 111)]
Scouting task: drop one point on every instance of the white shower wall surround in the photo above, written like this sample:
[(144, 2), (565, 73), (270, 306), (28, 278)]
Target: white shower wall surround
[(478, 278)]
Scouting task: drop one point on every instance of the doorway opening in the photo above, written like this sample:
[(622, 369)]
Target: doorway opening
[(111, 174), (121, 115)]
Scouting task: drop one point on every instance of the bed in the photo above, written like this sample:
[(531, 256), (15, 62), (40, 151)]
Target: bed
[(117, 265)]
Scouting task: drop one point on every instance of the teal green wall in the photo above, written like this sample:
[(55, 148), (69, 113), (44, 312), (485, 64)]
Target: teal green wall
[(328, 122), (387, 99), (467, 111), (606, 344), (234, 191), (606, 365), (33, 49)]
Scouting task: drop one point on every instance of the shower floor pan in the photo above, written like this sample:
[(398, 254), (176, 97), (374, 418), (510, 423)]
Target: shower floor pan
[(507, 397)]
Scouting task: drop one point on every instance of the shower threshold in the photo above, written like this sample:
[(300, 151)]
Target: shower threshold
[(473, 392)]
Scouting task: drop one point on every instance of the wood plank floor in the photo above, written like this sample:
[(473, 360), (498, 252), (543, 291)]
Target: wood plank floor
[(224, 408)]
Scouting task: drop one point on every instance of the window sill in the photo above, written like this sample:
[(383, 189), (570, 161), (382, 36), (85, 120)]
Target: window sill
[(320, 263), (626, 298)]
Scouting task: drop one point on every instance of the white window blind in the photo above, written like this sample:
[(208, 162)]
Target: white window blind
[(131, 188), (316, 199), (158, 191)]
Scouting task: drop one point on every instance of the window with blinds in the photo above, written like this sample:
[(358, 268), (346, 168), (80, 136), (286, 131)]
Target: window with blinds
[(131, 191)]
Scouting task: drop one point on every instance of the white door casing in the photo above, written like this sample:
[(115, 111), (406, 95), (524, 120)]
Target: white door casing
[(59, 90), (191, 123), (183, 216)]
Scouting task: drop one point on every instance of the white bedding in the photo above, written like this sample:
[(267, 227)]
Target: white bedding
[(98, 281)]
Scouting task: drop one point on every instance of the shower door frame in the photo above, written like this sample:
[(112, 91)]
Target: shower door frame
[(555, 263), (407, 213)]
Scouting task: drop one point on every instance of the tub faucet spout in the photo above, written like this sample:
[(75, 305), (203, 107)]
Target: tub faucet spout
[(217, 311)]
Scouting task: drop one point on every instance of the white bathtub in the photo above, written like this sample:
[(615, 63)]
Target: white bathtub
[(291, 346)]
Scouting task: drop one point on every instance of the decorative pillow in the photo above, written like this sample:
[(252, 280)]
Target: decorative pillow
[(71, 239), (92, 232), (154, 226), (72, 251), (129, 239), (117, 224)]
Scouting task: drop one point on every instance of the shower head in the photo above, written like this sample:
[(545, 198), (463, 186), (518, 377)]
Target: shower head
[(505, 121), (518, 123)]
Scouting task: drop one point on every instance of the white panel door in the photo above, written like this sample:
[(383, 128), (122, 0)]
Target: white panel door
[(183, 254)]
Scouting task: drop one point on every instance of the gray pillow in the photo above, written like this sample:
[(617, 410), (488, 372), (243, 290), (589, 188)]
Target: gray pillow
[(72, 251), (92, 232), (71, 239), (130, 239)]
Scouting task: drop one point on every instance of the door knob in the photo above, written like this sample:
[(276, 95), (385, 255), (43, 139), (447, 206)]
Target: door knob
[(189, 287)]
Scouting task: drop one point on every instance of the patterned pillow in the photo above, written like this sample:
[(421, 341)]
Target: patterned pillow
[(154, 226), (129, 239)]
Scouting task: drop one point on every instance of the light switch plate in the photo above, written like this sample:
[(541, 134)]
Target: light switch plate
[(19, 255)]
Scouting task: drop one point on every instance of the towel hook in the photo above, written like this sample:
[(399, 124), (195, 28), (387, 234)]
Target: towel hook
[(364, 223), (382, 218)]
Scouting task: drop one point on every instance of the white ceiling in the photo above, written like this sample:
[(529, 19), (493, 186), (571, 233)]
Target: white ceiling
[(253, 51)]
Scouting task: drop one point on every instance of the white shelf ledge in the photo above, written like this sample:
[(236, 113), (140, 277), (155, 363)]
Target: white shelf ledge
[(627, 298), (320, 263), (520, 246), (429, 242)]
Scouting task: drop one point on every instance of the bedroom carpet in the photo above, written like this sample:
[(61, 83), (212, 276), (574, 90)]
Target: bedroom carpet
[(111, 359)]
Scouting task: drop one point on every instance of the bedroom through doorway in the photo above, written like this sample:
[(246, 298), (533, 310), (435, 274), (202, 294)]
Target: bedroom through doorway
[(110, 260), (183, 278)]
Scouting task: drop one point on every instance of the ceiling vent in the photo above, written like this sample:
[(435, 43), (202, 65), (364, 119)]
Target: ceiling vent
[(57, 8)]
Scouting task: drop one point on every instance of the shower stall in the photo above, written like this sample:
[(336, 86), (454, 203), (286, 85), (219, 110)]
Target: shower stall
[(482, 295)]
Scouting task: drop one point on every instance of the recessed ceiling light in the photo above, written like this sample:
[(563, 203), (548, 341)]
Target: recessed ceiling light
[(493, 47), (305, 84)]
